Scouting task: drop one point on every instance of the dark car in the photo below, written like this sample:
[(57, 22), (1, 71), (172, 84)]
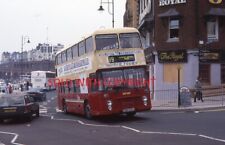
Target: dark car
[(17, 106), (37, 94)]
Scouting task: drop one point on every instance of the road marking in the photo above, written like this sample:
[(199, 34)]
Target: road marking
[(13, 141), (180, 112), (138, 131), (43, 109), (129, 128), (213, 110), (57, 110), (169, 133), (212, 138)]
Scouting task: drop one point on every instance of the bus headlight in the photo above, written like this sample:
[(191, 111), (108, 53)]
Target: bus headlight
[(145, 100), (109, 104)]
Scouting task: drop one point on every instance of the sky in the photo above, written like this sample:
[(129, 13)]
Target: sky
[(52, 21)]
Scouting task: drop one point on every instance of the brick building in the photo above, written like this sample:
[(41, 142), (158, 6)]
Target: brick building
[(184, 34)]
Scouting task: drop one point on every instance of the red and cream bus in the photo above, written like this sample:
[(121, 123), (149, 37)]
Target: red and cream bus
[(104, 74)]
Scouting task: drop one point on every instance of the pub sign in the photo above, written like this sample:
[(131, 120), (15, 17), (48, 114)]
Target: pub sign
[(176, 56)]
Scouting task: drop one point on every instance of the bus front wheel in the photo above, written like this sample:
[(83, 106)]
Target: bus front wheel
[(87, 111)]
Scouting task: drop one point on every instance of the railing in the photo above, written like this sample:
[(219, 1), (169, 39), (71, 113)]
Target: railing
[(168, 99)]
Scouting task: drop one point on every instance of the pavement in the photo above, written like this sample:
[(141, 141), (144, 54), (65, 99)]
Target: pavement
[(172, 104)]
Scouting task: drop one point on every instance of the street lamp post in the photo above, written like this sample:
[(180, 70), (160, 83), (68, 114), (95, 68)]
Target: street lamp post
[(111, 13), (178, 75), (24, 40)]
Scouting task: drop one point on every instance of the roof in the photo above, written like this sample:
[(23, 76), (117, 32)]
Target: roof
[(170, 13), (106, 31)]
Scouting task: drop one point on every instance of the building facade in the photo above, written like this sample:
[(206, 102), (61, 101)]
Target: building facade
[(11, 71), (185, 36), (131, 15), (14, 65)]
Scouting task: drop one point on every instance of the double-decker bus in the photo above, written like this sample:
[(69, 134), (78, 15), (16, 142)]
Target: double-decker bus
[(41, 79), (104, 74)]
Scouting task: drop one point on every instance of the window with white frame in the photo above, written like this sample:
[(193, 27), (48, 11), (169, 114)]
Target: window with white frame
[(174, 27), (212, 29)]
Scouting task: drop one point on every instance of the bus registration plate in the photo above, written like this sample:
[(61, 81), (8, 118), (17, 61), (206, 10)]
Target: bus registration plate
[(128, 110)]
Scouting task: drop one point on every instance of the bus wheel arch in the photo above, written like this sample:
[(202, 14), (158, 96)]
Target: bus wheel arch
[(131, 114), (87, 110)]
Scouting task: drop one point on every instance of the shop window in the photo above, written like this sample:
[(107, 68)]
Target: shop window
[(170, 73), (174, 27), (212, 29)]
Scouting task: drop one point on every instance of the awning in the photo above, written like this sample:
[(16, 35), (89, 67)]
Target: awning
[(216, 12), (170, 13)]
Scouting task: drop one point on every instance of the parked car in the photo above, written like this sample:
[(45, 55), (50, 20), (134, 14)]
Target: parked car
[(37, 94), (18, 105)]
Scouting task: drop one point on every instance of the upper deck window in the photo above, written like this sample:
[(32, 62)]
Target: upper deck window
[(107, 41), (59, 59), (75, 51), (81, 48), (130, 40), (64, 59), (69, 54), (89, 44)]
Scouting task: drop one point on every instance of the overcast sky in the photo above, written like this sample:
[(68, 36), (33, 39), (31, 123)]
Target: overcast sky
[(53, 21)]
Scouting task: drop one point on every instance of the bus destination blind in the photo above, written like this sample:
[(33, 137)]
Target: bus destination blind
[(121, 58)]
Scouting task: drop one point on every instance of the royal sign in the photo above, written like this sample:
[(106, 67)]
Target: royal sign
[(171, 2), (215, 1)]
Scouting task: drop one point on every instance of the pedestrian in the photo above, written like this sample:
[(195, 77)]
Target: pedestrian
[(198, 88), (21, 87), (10, 89)]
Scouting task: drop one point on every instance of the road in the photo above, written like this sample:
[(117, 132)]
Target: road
[(156, 128)]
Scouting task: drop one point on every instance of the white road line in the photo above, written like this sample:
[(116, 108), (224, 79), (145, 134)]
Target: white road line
[(172, 112), (169, 133), (82, 123), (57, 110), (212, 138), (138, 131), (129, 128), (43, 111), (13, 141)]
